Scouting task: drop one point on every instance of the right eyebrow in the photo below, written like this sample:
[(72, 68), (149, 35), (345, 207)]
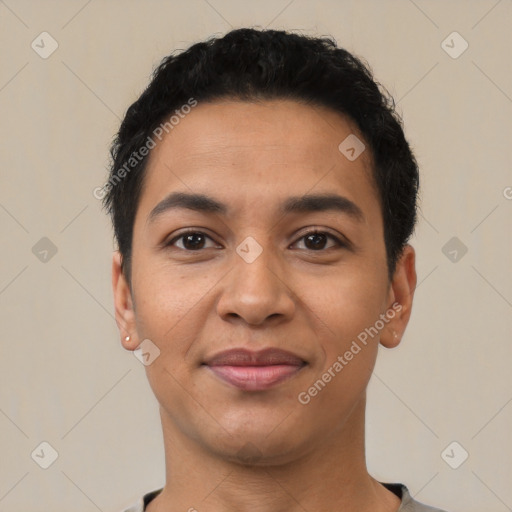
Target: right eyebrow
[(196, 202)]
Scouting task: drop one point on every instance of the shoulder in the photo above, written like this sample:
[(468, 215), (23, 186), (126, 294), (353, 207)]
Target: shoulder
[(140, 505), (409, 504)]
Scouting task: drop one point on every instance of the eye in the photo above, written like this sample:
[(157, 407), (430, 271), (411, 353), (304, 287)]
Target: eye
[(316, 240), (192, 240), (196, 240)]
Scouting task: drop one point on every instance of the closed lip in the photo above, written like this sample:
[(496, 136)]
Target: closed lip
[(248, 370), (246, 357)]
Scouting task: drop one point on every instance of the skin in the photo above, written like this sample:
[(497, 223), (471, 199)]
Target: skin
[(312, 300)]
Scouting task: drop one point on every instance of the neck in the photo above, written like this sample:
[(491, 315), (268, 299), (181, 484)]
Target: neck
[(331, 475)]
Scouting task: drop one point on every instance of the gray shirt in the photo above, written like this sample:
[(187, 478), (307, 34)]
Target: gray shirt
[(408, 503)]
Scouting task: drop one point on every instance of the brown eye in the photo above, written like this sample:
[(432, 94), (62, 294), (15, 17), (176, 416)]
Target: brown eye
[(191, 240), (317, 240)]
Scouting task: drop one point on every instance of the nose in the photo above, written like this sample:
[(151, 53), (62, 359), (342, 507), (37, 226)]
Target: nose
[(256, 291)]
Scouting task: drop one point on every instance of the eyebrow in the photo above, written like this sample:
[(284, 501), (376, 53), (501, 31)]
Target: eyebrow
[(300, 204)]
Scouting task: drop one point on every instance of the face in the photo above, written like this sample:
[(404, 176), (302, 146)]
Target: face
[(284, 250)]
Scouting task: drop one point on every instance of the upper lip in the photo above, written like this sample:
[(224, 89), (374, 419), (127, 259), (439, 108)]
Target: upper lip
[(245, 357)]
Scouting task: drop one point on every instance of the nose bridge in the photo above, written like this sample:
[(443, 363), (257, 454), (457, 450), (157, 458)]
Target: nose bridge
[(256, 289), (254, 262)]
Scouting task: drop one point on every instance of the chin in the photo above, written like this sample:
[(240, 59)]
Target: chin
[(258, 444)]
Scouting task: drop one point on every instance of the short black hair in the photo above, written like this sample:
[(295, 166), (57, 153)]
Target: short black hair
[(249, 64)]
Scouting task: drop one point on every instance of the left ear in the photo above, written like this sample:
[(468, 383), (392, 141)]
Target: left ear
[(400, 297)]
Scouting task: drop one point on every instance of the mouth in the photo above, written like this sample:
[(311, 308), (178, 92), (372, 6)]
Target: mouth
[(255, 371)]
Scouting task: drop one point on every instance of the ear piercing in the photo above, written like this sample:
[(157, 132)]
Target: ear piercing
[(127, 338)]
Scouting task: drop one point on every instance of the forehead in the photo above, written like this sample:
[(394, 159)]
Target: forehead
[(250, 153)]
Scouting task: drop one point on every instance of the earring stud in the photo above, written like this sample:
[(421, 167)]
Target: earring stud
[(127, 338)]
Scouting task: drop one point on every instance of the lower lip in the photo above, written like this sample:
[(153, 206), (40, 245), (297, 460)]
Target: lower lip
[(255, 378)]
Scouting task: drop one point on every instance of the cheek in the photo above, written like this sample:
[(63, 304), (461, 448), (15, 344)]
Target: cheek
[(346, 304), (344, 307), (344, 310), (337, 388), (171, 312), (165, 294)]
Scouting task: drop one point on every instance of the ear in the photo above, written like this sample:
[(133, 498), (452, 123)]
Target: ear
[(125, 315), (400, 297)]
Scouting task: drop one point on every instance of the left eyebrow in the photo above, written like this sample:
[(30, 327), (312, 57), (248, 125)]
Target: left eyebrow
[(323, 202), (298, 204)]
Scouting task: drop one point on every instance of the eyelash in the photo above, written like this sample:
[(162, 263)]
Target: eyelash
[(339, 243)]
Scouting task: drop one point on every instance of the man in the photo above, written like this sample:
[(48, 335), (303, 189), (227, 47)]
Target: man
[(262, 195)]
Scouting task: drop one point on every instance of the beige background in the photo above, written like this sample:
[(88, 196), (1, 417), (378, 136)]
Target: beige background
[(66, 379)]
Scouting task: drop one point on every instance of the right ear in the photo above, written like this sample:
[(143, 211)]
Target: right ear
[(125, 315)]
